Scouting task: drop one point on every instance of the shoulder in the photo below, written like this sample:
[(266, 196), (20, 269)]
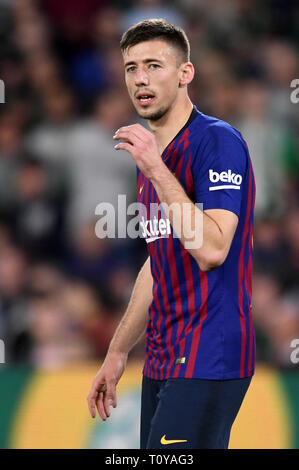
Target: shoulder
[(216, 143), (211, 129)]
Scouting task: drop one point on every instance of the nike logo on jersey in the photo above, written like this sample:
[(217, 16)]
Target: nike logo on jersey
[(165, 441), (225, 177), (141, 188)]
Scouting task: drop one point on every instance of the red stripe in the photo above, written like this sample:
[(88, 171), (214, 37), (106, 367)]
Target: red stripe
[(191, 303), (172, 263), (249, 287), (139, 197), (169, 319), (188, 268), (155, 296), (146, 202), (204, 288), (160, 314), (170, 147), (187, 272), (146, 198), (176, 289), (184, 139), (181, 160), (152, 311), (139, 180), (166, 314), (241, 274), (189, 176), (159, 342), (157, 304), (249, 283), (163, 290)]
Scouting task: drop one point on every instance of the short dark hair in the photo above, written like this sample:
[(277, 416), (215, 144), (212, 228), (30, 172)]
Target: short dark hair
[(159, 28)]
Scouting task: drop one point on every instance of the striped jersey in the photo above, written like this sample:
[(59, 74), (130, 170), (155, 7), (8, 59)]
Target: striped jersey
[(200, 323)]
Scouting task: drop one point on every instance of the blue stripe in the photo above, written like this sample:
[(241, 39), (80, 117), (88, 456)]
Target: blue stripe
[(183, 294), (162, 326), (176, 245), (162, 305), (155, 350), (196, 315), (170, 295), (247, 329)]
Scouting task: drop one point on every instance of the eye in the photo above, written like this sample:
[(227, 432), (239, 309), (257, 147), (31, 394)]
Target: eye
[(131, 69), (154, 66)]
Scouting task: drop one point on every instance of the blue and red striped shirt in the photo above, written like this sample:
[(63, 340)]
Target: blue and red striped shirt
[(200, 323)]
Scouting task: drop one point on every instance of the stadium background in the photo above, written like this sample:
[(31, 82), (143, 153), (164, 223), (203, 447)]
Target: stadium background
[(62, 289)]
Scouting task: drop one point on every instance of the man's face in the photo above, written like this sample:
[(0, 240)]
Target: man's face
[(152, 77)]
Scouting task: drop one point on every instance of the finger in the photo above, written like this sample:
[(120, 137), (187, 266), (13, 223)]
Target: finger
[(137, 129), (114, 401), (124, 146), (111, 393), (100, 406), (93, 395), (127, 137), (110, 397), (108, 401), (92, 403), (133, 134)]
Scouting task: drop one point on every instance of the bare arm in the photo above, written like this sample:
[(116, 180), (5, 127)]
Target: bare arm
[(134, 321), (130, 329)]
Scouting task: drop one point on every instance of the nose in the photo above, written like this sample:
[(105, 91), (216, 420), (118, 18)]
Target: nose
[(141, 77)]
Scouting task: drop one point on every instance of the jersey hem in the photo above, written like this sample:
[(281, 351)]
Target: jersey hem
[(226, 376)]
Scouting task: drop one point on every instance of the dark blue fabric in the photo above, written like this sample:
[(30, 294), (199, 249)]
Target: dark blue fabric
[(220, 165), (196, 410), (204, 317)]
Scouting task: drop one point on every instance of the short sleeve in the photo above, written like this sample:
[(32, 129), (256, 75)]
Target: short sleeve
[(219, 169)]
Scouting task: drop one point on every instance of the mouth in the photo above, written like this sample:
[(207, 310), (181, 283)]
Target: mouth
[(145, 98)]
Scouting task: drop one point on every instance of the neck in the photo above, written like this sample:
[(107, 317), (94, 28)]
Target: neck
[(166, 128)]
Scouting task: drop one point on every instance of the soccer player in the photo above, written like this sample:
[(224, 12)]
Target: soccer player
[(193, 299)]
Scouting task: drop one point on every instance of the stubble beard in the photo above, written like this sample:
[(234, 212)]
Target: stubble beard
[(155, 116)]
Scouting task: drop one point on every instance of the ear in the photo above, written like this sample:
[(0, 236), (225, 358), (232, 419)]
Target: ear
[(186, 74)]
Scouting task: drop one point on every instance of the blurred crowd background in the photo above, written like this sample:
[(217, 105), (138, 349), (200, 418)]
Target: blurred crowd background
[(63, 289)]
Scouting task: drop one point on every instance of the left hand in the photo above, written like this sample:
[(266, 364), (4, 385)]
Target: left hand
[(143, 147)]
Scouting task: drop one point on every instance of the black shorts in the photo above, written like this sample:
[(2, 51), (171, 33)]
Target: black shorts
[(189, 413)]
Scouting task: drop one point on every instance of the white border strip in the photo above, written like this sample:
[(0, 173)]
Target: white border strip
[(148, 240), (225, 186)]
